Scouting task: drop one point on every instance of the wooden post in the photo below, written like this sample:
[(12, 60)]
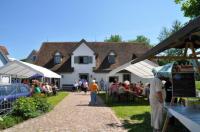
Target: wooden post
[(186, 49), (194, 55), (167, 116)]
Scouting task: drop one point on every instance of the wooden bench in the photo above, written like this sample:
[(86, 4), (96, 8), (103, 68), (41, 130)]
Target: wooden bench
[(67, 87)]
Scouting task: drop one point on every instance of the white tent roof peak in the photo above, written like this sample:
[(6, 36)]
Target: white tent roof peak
[(142, 69), (26, 70)]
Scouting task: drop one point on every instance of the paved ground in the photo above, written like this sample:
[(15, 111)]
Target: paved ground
[(73, 115)]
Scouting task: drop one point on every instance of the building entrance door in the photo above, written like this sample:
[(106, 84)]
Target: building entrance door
[(84, 76)]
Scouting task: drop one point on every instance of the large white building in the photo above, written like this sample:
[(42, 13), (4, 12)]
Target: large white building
[(89, 60)]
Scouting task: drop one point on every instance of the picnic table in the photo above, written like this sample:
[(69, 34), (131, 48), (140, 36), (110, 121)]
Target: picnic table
[(188, 116)]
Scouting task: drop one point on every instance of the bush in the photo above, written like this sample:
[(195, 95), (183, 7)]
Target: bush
[(9, 121), (41, 104), (25, 107), (30, 107)]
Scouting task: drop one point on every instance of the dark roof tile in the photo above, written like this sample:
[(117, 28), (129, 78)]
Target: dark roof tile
[(124, 53)]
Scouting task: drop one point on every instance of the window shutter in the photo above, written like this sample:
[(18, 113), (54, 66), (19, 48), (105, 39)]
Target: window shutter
[(85, 59), (76, 59), (90, 59)]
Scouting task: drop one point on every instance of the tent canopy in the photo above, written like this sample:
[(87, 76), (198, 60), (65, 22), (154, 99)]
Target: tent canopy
[(143, 69), (26, 70)]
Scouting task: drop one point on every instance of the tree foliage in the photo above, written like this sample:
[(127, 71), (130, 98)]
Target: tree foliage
[(167, 32), (114, 38), (141, 39), (191, 8)]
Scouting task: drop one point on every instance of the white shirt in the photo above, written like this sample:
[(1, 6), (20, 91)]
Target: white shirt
[(155, 86)]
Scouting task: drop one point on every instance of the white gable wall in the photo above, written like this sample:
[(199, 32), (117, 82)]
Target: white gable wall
[(82, 50)]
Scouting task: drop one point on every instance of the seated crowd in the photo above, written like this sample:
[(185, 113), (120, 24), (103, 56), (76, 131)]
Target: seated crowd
[(119, 89), (40, 87)]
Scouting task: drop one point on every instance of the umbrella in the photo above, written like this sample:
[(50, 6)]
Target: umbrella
[(164, 71), (36, 76)]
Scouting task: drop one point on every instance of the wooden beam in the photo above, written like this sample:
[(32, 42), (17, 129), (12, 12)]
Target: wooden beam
[(194, 55), (175, 57)]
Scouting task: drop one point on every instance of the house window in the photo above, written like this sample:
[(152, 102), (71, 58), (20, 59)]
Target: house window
[(34, 58), (113, 78), (57, 58), (83, 59), (127, 77), (111, 58)]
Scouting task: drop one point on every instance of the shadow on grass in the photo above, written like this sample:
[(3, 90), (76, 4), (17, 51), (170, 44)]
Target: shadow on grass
[(138, 123)]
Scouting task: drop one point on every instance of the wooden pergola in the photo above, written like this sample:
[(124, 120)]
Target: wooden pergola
[(187, 37)]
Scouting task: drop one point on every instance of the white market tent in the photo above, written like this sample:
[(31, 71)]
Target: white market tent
[(142, 69), (26, 70)]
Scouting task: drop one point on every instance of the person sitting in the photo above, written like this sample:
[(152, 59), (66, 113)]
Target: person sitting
[(126, 86), (139, 90), (37, 89), (133, 87), (48, 87), (121, 91), (54, 89), (43, 88), (114, 89)]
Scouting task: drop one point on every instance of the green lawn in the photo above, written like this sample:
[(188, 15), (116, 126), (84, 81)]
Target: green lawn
[(198, 85), (54, 100), (135, 116)]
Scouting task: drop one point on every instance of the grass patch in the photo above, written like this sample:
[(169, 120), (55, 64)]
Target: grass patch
[(135, 116), (197, 85), (54, 100)]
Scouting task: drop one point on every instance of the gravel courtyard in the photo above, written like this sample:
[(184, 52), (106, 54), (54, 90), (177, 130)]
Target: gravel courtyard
[(73, 114)]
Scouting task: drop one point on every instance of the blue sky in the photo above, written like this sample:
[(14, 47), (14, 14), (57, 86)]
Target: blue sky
[(25, 24)]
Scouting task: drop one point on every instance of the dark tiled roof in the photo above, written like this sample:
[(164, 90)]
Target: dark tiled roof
[(4, 50), (124, 53)]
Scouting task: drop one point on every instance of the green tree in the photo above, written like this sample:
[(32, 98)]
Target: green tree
[(164, 34), (141, 39), (191, 8), (114, 38)]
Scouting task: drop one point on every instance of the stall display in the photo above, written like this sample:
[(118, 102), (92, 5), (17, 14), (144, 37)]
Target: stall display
[(183, 81)]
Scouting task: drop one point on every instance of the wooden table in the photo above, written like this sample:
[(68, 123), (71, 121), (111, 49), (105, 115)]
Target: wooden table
[(188, 116)]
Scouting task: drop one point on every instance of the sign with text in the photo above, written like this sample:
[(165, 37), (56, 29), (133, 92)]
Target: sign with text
[(183, 85)]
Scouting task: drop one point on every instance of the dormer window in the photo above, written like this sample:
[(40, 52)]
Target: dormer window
[(34, 58), (83, 59), (111, 58), (57, 58)]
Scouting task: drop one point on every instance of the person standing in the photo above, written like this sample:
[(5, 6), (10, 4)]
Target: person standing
[(93, 88), (102, 84), (156, 103)]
